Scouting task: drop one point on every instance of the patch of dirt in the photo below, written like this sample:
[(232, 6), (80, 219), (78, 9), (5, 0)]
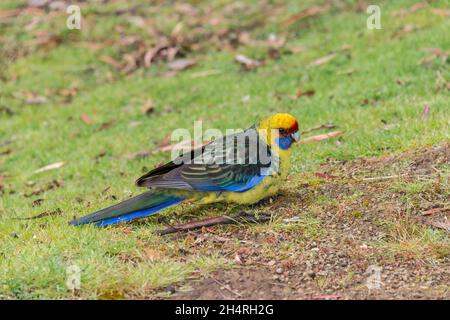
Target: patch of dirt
[(343, 233)]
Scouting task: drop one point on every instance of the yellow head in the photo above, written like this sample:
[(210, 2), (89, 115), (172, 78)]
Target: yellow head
[(280, 128)]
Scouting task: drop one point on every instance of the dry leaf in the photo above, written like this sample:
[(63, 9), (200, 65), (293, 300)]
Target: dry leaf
[(5, 152), (149, 107), (130, 63), (31, 98), (321, 137), (69, 92), (247, 63), (46, 39), (425, 112), (106, 125), (436, 210), (176, 31), (308, 12), (181, 64), (36, 100), (238, 259), (52, 166), (148, 57), (85, 118), (323, 60), (308, 93), (244, 251), (166, 141)]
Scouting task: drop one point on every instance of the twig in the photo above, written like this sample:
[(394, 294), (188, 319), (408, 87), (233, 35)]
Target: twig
[(322, 126), (392, 177), (43, 215), (321, 137), (326, 297), (383, 177), (241, 217), (52, 166), (225, 286), (435, 210), (164, 222)]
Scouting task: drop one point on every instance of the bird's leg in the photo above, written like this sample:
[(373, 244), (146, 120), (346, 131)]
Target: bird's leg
[(167, 224)]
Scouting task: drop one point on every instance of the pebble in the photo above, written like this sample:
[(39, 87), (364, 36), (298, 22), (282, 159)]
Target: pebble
[(171, 290)]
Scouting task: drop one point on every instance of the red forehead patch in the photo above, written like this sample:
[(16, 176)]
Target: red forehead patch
[(294, 127)]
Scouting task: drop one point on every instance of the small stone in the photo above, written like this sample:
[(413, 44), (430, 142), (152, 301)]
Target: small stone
[(271, 263), (171, 290), (279, 270)]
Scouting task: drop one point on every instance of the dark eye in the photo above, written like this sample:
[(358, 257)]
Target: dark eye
[(282, 131)]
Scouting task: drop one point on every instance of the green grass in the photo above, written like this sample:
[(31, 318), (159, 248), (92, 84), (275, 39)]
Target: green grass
[(36, 253)]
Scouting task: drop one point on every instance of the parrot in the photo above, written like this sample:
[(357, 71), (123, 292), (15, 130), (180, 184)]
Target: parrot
[(240, 168)]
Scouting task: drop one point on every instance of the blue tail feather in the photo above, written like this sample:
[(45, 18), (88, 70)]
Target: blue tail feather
[(140, 213), (140, 206)]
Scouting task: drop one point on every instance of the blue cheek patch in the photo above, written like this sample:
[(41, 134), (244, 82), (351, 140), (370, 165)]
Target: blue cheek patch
[(284, 142)]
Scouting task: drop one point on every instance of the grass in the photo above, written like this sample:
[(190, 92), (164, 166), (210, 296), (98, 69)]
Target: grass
[(375, 90)]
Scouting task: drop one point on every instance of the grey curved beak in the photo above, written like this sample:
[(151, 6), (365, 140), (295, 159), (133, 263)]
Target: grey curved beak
[(296, 136)]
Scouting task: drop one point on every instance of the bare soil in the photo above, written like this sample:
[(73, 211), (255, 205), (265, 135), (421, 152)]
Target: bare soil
[(365, 224)]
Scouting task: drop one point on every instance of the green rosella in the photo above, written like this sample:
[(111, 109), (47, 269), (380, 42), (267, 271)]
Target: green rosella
[(206, 175)]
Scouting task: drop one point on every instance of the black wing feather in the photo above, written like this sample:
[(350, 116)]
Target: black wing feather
[(212, 175)]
